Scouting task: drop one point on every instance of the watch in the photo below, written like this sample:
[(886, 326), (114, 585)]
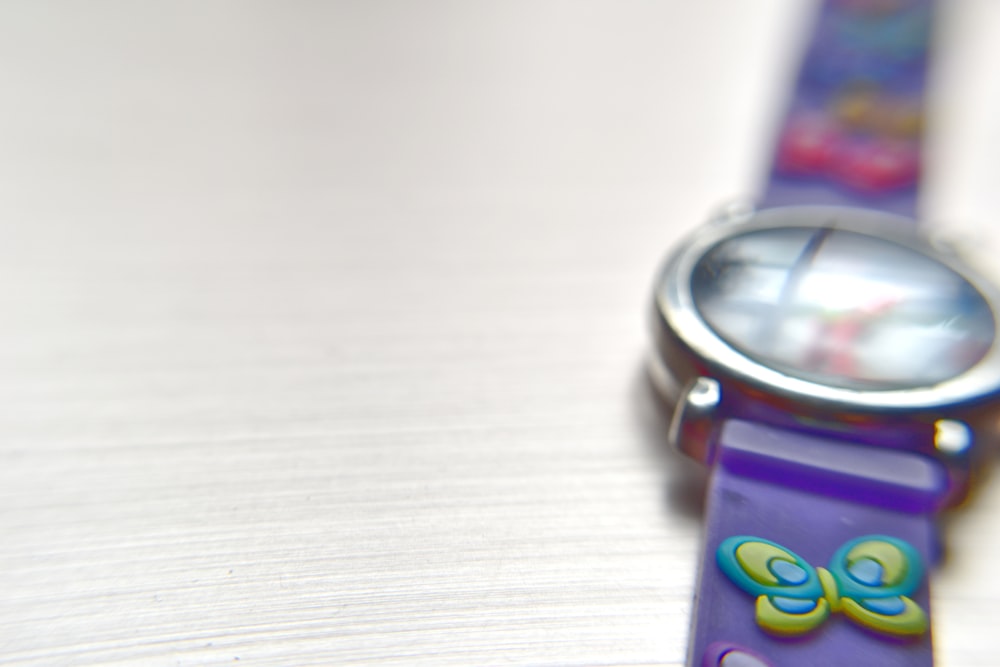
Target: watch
[(834, 368)]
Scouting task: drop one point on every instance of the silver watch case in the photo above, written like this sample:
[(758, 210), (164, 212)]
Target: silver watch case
[(688, 347)]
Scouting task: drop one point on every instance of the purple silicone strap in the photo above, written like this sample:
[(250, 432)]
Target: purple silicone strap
[(811, 496), (852, 133), (851, 137)]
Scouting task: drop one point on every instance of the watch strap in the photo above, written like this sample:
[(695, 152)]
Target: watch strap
[(816, 552), (852, 132)]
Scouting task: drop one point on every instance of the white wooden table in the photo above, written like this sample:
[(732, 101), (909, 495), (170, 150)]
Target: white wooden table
[(323, 323)]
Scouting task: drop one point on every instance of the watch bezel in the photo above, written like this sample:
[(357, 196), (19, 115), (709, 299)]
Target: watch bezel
[(677, 311)]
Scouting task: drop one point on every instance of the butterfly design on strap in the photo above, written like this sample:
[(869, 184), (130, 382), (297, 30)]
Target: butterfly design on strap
[(869, 579)]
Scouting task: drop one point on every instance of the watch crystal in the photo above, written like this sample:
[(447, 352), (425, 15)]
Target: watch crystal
[(841, 308)]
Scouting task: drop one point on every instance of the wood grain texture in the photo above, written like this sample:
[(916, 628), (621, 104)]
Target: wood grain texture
[(323, 324)]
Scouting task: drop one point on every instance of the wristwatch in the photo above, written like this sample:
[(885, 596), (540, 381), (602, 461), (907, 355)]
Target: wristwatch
[(834, 368)]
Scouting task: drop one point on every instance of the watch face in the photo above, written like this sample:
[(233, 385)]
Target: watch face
[(841, 308)]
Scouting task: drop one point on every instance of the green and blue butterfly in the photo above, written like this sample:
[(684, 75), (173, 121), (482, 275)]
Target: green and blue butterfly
[(869, 580)]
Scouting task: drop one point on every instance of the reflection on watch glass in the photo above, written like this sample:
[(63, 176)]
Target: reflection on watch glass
[(842, 309)]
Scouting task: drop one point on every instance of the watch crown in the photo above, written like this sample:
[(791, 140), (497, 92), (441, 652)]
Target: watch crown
[(692, 423)]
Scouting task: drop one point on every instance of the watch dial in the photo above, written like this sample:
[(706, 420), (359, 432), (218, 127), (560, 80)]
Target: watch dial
[(842, 309)]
